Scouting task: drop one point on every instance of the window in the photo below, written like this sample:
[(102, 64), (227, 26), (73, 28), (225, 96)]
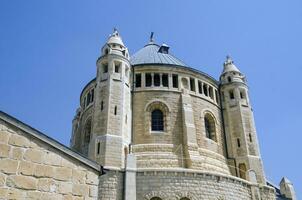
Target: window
[(148, 80), (238, 142), (84, 102), (117, 67), (165, 80), (242, 171), (88, 99), (210, 129), (155, 198), (200, 87), (250, 137), (106, 51), (138, 80), (232, 94), (205, 89), (115, 110), (105, 68), (87, 134), (216, 95), (242, 95), (211, 92), (98, 148), (157, 120), (192, 84), (92, 95), (102, 105), (175, 80), (156, 80), (229, 79)]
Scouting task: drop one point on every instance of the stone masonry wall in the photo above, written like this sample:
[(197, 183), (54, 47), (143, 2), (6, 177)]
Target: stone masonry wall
[(32, 169), (172, 185)]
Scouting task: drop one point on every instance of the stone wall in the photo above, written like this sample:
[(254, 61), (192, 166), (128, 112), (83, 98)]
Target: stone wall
[(32, 169), (174, 185)]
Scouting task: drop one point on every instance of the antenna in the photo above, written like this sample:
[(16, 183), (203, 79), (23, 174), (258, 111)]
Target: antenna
[(151, 37)]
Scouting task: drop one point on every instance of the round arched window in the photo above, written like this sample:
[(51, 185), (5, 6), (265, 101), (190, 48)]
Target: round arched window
[(210, 129), (157, 120)]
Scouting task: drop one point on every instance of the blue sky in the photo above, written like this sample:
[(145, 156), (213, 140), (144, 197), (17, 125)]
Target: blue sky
[(48, 51)]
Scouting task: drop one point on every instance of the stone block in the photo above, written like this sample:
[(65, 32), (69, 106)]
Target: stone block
[(67, 197), (62, 174), (22, 182), (4, 150), (67, 163), (93, 191), (3, 193), (52, 159), (2, 179), (78, 176), (18, 140), (34, 195), (80, 190), (52, 196), (65, 188), (4, 136), (16, 194), (33, 155), (8, 166), (46, 184), (92, 178), (26, 168), (17, 153), (44, 171)]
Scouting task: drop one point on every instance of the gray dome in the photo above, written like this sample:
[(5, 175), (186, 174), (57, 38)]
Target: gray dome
[(155, 54)]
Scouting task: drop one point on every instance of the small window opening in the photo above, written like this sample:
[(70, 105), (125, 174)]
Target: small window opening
[(92, 95), (148, 80), (84, 102), (232, 95), (138, 80), (242, 171), (238, 142), (98, 148), (115, 110), (165, 80), (126, 119), (105, 68), (242, 95), (205, 89), (156, 80), (175, 80), (216, 95), (200, 87), (106, 51), (88, 99), (192, 84), (102, 105), (210, 128), (117, 67), (250, 136), (229, 79), (211, 92)]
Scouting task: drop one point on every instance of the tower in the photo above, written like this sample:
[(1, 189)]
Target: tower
[(241, 136), (111, 123)]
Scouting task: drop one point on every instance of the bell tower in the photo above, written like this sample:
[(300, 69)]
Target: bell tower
[(111, 128), (239, 124)]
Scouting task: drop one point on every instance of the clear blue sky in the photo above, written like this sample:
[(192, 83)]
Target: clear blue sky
[(48, 51)]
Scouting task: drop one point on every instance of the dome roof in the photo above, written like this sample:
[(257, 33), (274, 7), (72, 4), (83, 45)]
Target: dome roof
[(229, 66), (155, 54), (115, 38)]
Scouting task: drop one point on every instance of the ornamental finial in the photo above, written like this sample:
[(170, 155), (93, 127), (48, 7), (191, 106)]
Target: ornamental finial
[(151, 37)]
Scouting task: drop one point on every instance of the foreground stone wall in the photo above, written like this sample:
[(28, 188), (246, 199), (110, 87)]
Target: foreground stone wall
[(173, 185), (32, 169)]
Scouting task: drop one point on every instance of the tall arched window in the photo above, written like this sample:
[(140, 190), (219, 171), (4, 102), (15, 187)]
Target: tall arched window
[(210, 129), (87, 135), (157, 120)]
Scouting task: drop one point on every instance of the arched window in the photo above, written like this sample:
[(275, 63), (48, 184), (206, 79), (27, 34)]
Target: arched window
[(242, 171), (157, 120), (210, 129), (155, 198)]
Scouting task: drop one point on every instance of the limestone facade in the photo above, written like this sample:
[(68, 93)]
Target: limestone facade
[(147, 128)]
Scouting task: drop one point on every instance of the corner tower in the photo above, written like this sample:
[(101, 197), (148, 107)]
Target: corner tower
[(111, 126), (239, 124)]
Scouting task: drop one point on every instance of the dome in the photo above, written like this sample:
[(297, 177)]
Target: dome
[(115, 38), (155, 54), (229, 66)]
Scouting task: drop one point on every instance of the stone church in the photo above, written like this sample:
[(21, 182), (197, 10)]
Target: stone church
[(148, 127)]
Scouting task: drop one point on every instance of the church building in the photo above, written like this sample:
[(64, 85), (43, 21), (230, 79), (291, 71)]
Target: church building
[(148, 127)]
